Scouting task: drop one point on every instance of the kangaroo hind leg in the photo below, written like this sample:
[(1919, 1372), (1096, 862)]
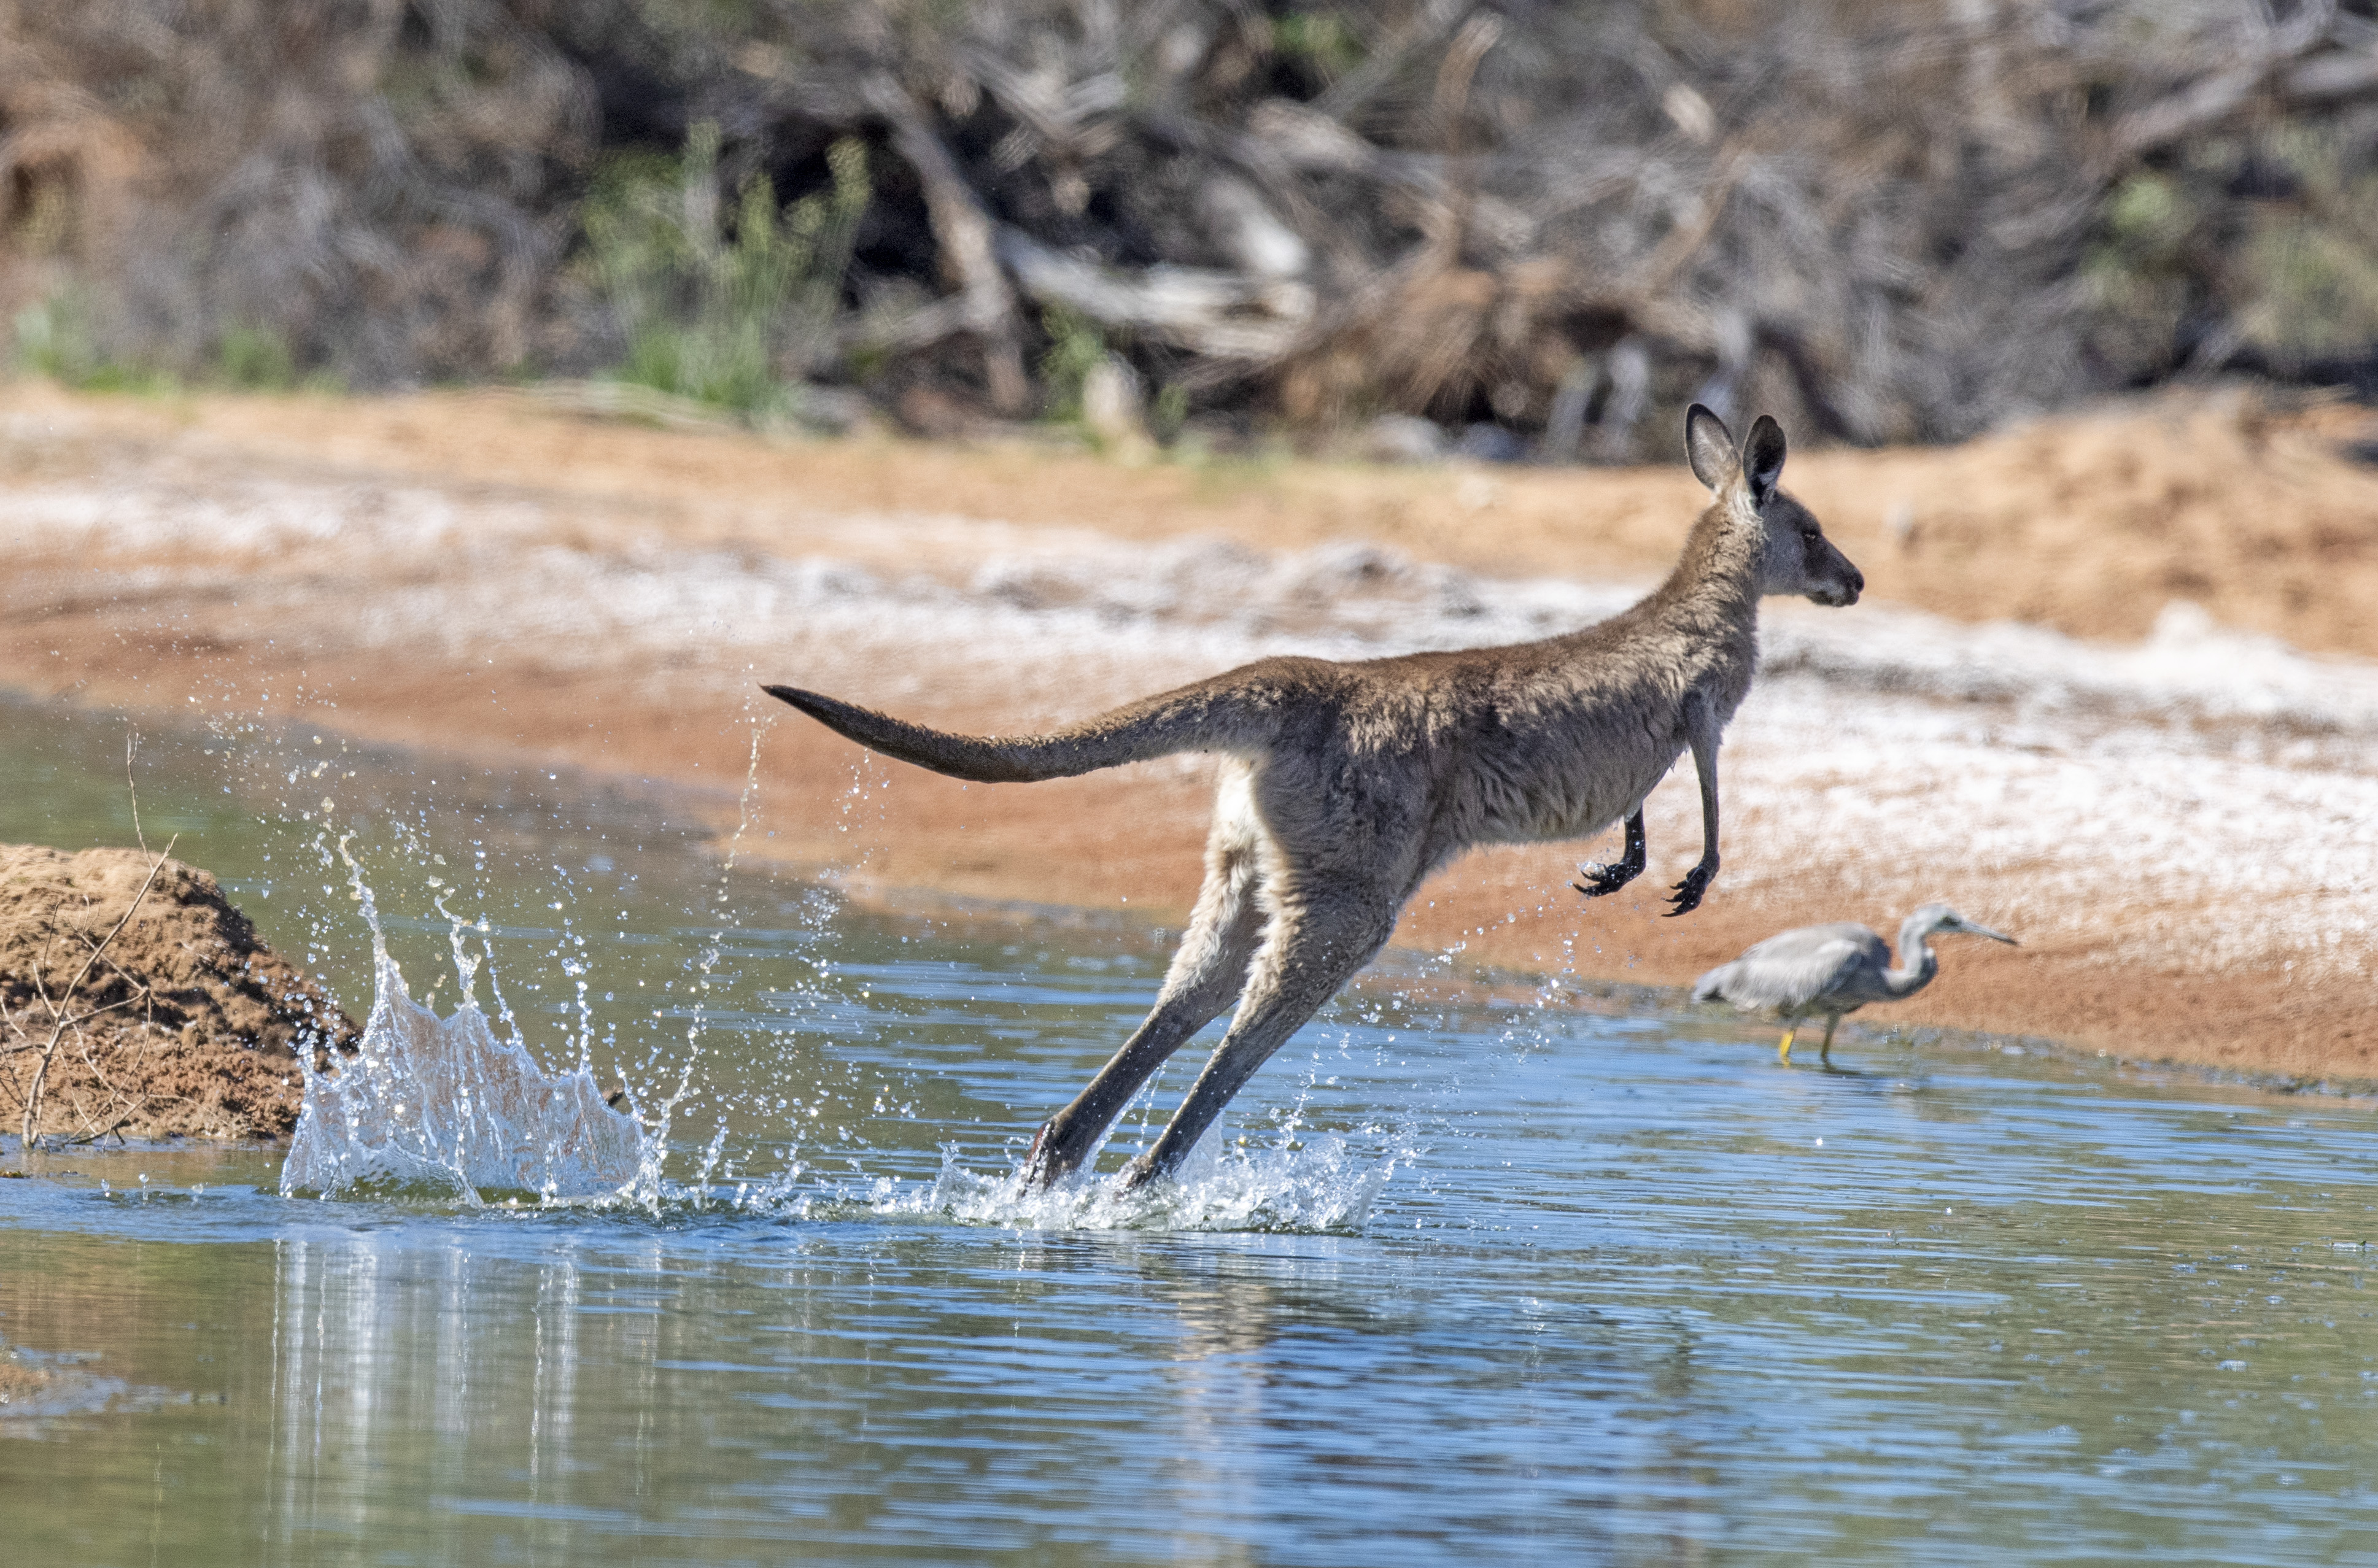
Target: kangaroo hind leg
[(1317, 941), (1207, 971)]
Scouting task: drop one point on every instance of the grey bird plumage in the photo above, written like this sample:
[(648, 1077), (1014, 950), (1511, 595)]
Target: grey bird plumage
[(1834, 969)]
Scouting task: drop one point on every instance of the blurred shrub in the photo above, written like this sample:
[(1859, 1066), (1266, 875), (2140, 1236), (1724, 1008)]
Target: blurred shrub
[(2257, 250), (1076, 347), (256, 359), (1881, 220), (55, 338), (724, 303), (381, 187)]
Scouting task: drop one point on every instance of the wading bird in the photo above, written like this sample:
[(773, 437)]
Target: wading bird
[(1834, 969)]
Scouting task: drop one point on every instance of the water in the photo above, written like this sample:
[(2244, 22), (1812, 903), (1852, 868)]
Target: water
[(1473, 1273)]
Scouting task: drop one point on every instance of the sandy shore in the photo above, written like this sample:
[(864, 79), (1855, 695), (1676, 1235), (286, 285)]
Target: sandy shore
[(2113, 687)]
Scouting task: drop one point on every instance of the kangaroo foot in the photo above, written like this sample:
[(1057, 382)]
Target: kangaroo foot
[(1137, 1174), (1601, 879), (1047, 1161), (1688, 895)]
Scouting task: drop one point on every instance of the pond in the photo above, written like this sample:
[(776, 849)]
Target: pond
[(1473, 1271)]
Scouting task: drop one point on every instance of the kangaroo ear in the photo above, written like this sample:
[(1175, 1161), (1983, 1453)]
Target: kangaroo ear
[(1762, 459), (1708, 447)]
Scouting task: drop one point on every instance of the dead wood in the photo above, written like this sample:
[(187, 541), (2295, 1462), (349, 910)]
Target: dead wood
[(1904, 221)]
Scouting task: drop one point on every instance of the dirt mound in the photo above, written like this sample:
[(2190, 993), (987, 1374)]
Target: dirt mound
[(185, 1024)]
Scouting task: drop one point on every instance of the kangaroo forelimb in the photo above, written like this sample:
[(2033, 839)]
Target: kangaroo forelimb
[(1601, 879), (1701, 727)]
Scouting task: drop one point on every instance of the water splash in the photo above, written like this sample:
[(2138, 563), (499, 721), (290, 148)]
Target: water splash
[(1322, 1184), (444, 1103), (461, 1108), (705, 970)]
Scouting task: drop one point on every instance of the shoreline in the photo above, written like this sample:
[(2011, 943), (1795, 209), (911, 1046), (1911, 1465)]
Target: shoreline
[(1409, 966), (2184, 832)]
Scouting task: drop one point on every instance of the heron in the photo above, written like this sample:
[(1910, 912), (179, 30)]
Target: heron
[(1834, 969)]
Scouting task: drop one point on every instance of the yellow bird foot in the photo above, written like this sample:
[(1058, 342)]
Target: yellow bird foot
[(1784, 1051)]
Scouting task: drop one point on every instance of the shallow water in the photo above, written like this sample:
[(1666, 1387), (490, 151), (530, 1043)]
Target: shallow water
[(1473, 1273)]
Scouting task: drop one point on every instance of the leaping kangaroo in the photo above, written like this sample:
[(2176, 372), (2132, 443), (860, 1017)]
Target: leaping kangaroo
[(1343, 785)]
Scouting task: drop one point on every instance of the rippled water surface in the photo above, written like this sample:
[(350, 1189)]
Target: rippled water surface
[(1473, 1273)]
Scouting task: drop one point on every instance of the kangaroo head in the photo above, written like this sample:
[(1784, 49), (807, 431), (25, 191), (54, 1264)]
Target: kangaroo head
[(1795, 555)]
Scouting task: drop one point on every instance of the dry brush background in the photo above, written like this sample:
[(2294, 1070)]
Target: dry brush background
[(1545, 225)]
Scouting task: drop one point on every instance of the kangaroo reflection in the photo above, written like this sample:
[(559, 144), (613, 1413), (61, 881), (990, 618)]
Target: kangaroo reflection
[(392, 1386), (476, 1391)]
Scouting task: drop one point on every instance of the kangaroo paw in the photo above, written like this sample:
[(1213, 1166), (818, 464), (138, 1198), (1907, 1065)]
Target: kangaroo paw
[(1687, 896), (1601, 879), (1041, 1167)]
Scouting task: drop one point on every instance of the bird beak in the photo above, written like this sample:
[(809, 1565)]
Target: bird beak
[(1971, 929)]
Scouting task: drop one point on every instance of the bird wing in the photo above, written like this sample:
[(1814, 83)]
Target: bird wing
[(1794, 968)]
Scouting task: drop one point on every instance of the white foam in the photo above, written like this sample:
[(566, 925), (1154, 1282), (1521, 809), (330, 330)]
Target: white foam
[(1319, 1184)]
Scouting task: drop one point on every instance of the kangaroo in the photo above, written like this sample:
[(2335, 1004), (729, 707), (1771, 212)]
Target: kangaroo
[(1343, 785)]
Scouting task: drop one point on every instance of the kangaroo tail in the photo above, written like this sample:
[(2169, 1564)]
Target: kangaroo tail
[(1206, 717)]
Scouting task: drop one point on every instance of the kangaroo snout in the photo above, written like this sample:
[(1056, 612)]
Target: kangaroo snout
[(1841, 585)]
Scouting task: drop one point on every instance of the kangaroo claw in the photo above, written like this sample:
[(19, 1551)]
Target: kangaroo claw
[(1688, 895), (1601, 879)]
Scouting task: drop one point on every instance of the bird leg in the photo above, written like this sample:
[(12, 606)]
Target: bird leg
[(1825, 1052), (1784, 1051), (1702, 729), (1600, 879)]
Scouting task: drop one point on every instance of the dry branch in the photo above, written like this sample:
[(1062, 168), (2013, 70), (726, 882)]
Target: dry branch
[(1226, 314), (964, 231), (62, 1019)]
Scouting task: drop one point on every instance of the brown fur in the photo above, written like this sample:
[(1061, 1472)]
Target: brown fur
[(1345, 784)]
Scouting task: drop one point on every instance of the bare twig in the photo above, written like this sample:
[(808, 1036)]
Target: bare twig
[(1352, 92), (131, 784), (65, 999), (129, 1105)]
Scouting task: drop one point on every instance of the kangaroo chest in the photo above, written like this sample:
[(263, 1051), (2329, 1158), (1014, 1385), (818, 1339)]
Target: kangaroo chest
[(1591, 765)]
